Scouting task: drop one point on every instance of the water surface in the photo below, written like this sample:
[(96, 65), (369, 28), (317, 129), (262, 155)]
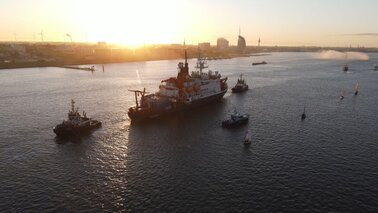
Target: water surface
[(187, 162)]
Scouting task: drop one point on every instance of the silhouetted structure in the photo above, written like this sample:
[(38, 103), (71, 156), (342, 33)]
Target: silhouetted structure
[(204, 45), (222, 44), (241, 42)]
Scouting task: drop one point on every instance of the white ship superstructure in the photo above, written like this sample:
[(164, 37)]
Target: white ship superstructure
[(176, 93)]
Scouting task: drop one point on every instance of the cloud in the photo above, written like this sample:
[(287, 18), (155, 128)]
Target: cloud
[(361, 34)]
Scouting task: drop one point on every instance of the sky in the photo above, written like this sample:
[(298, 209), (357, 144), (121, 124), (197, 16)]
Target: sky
[(139, 22)]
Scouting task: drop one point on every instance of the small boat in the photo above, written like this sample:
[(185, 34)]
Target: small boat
[(247, 139), (241, 85), (303, 116), (356, 89), (76, 123), (342, 95), (259, 63), (345, 67), (235, 120), (91, 68)]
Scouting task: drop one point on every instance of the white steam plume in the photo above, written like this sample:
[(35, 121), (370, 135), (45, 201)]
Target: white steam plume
[(336, 55)]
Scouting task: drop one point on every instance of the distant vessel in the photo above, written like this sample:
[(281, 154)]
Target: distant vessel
[(180, 93), (91, 68), (76, 124), (247, 139), (241, 85), (342, 95), (235, 120), (259, 63), (356, 89), (345, 67), (303, 116)]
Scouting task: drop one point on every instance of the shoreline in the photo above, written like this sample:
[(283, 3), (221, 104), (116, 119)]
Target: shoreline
[(33, 56), (16, 65)]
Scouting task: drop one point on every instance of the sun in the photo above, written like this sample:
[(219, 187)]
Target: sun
[(131, 23)]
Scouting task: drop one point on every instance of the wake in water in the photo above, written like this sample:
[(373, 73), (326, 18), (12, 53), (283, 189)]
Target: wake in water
[(337, 55)]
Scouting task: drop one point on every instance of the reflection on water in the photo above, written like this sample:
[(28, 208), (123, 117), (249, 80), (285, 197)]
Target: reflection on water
[(187, 162)]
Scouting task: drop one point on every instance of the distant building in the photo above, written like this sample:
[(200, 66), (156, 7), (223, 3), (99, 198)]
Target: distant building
[(241, 43), (222, 44), (101, 43), (204, 45)]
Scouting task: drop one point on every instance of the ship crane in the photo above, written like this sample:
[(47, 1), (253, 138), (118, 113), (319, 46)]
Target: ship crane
[(137, 93)]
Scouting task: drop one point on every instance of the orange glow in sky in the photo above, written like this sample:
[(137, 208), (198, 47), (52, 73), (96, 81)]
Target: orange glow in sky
[(130, 23), (139, 22)]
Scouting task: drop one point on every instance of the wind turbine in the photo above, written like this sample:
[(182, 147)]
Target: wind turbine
[(69, 36), (41, 35)]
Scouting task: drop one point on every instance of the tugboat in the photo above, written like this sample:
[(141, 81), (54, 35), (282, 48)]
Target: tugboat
[(235, 120), (181, 93), (240, 86), (259, 63), (76, 124)]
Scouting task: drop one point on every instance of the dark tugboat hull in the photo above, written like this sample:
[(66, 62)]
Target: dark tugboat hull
[(239, 90), (138, 115), (259, 63), (231, 124), (65, 131)]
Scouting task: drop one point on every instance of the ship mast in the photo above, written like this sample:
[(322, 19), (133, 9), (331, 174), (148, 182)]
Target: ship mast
[(72, 105), (200, 62), (186, 61)]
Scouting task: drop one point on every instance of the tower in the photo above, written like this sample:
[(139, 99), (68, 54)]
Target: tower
[(241, 42)]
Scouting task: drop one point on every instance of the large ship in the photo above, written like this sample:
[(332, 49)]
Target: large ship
[(186, 91)]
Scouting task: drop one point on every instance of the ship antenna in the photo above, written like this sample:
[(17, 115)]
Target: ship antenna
[(72, 105)]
